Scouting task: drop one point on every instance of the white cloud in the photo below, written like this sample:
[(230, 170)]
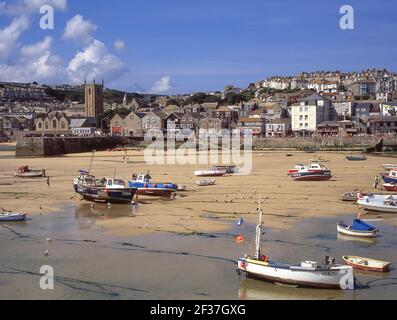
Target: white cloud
[(37, 48), (163, 85), (10, 35), (119, 45), (95, 62), (37, 63), (79, 30)]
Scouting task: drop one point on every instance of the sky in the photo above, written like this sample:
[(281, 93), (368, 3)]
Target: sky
[(182, 46)]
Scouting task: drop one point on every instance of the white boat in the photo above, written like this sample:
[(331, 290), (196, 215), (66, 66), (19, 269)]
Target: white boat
[(26, 172), (358, 229), (389, 166), (12, 216), (212, 172), (205, 183), (381, 203), (306, 274)]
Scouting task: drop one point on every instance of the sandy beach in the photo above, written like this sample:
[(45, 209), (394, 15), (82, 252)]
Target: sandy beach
[(200, 209)]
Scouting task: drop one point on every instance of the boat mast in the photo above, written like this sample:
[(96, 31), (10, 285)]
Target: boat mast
[(258, 235), (92, 159)]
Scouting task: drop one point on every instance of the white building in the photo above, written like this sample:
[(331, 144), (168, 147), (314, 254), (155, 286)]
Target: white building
[(308, 113)]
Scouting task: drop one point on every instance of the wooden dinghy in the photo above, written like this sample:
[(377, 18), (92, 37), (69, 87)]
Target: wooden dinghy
[(26, 172), (366, 264), (358, 229), (356, 158), (12, 216), (206, 183)]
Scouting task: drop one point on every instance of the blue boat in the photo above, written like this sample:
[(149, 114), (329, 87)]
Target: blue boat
[(391, 177), (358, 229), (145, 186)]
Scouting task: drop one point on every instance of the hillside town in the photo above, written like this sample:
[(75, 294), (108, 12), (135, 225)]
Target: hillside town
[(306, 104)]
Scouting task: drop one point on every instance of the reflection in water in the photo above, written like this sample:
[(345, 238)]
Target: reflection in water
[(369, 241), (87, 214), (251, 289)]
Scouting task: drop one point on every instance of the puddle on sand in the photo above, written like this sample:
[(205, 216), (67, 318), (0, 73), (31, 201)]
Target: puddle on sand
[(91, 265)]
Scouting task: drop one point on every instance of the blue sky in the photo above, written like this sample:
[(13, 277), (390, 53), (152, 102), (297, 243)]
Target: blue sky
[(179, 46)]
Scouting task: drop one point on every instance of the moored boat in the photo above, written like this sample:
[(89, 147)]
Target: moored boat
[(311, 176), (381, 203), (228, 169), (212, 172), (391, 177), (314, 167), (392, 187), (12, 216), (206, 182), (145, 186), (352, 196), (106, 190), (356, 158), (367, 264), (306, 274), (26, 172), (358, 229)]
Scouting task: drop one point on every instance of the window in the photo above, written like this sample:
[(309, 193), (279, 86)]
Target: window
[(40, 126), (46, 125), (63, 126), (306, 125), (306, 109), (306, 118), (54, 124), (301, 118)]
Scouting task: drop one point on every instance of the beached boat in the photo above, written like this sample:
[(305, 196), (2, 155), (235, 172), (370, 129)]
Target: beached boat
[(314, 167), (358, 229), (352, 196), (205, 183), (391, 177), (306, 274), (228, 169), (366, 264), (319, 160), (356, 158), (106, 190), (311, 176), (145, 186), (26, 172), (392, 187), (389, 166), (12, 216), (381, 203), (212, 172)]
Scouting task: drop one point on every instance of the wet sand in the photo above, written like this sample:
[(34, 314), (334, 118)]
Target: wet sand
[(286, 201)]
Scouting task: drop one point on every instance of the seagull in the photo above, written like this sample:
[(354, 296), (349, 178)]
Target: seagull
[(48, 247), (109, 205)]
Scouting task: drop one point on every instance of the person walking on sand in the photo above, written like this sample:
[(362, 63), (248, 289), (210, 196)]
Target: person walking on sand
[(376, 182)]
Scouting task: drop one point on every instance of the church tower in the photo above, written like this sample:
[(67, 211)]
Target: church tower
[(93, 100)]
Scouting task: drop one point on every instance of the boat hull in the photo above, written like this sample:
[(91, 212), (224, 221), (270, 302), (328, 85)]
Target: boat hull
[(13, 217), (356, 158), (155, 192), (311, 177), (376, 206), (354, 233), (103, 195), (390, 187), (383, 266), (32, 174), (319, 279), (388, 179)]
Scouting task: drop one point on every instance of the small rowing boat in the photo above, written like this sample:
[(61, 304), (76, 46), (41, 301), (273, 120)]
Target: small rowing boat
[(352, 196), (366, 264), (205, 183), (358, 229), (356, 158), (26, 172), (228, 169), (12, 216)]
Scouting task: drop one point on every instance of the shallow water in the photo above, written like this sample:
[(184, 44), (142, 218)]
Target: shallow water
[(90, 264)]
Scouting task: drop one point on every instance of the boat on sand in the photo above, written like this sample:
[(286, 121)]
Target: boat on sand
[(367, 264), (306, 274), (12, 216), (212, 172), (381, 203), (358, 229), (26, 172), (206, 183)]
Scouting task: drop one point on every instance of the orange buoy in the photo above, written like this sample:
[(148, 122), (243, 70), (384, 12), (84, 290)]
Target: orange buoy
[(239, 239)]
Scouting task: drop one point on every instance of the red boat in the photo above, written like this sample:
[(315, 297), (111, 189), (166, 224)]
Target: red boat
[(390, 187), (314, 167)]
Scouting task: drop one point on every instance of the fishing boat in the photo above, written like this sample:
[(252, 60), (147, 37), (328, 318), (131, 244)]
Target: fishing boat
[(358, 229), (145, 186), (228, 169), (391, 177), (206, 183), (367, 264), (356, 158), (392, 187), (106, 190), (306, 274), (12, 216), (382, 203), (212, 172), (389, 166), (26, 172), (311, 176), (313, 167)]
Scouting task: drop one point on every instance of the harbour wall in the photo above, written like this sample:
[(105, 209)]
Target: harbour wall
[(56, 146)]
